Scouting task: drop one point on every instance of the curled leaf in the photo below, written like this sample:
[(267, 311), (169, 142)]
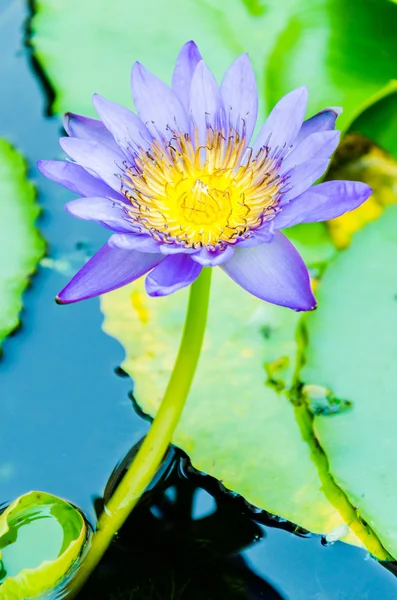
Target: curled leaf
[(41, 539)]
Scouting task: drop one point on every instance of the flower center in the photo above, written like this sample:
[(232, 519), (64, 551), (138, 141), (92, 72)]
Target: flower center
[(202, 196), (200, 205)]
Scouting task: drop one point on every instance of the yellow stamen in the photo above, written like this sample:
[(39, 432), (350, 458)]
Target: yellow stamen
[(202, 196)]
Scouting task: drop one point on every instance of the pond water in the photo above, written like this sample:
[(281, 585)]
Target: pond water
[(67, 419)]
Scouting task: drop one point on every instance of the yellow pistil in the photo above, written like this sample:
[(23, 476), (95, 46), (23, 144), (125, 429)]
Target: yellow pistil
[(202, 196)]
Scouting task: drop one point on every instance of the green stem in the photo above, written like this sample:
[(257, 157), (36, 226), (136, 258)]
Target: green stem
[(151, 453)]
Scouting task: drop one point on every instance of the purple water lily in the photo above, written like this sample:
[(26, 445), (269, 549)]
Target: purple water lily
[(182, 186)]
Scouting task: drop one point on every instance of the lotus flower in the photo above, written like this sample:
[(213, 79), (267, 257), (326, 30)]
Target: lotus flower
[(183, 185)]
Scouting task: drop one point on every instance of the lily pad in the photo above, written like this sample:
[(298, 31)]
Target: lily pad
[(41, 538), (377, 121), (235, 427), (21, 246), (352, 351), (345, 53)]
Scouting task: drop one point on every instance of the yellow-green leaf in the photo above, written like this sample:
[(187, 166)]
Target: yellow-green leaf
[(20, 244), (41, 538), (235, 427)]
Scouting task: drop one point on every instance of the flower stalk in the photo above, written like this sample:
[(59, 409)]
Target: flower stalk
[(151, 453)]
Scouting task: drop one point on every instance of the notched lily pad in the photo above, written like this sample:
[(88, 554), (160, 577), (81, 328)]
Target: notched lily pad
[(41, 539), (353, 351), (21, 246)]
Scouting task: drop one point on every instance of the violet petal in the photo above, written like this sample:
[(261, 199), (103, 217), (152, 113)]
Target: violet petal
[(316, 146), (158, 106), (186, 63), (284, 122), (128, 130), (109, 269), (274, 272), (97, 159), (85, 128), (172, 274), (75, 178), (301, 177), (206, 106), (240, 96), (106, 211), (322, 121), (323, 202)]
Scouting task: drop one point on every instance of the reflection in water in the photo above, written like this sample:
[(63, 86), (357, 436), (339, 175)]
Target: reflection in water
[(163, 552), (167, 550)]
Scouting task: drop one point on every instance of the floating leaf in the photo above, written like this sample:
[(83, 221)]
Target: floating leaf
[(344, 52), (41, 538), (377, 119), (235, 427), (20, 244), (352, 351)]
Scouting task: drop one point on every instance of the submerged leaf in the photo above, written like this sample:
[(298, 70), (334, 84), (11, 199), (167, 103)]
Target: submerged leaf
[(352, 350), (41, 538), (20, 244)]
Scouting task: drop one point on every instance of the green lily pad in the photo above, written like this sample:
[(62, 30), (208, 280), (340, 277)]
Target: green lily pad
[(352, 351), (21, 246), (377, 121), (238, 424), (345, 53), (41, 538)]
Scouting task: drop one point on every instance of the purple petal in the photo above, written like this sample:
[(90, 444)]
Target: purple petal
[(142, 243), (322, 121), (300, 178), (208, 258), (158, 106), (85, 128), (273, 272), (206, 106), (98, 159), (186, 63), (109, 269), (106, 211), (284, 122), (127, 129), (240, 96), (316, 146), (75, 178), (323, 202), (174, 272)]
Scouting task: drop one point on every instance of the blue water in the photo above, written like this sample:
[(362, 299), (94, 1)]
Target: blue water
[(67, 419)]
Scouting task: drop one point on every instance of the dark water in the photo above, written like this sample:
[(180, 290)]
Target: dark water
[(67, 419)]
